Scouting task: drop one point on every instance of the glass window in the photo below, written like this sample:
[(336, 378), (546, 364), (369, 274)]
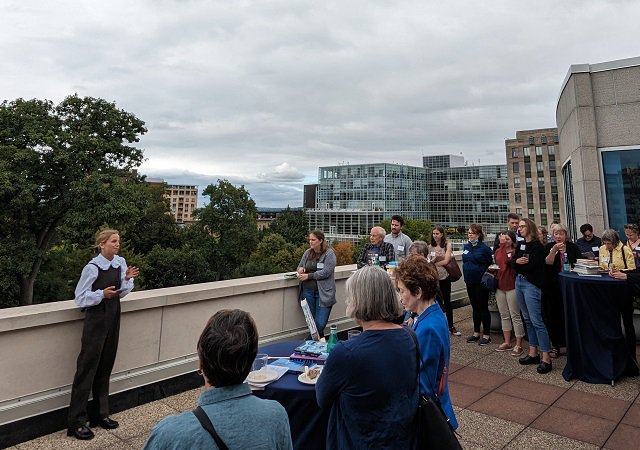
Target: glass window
[(528, 181), (551, 150), (543, 197), (554, 181), (514, 152), (543, 139), (621, 171), (540, 166), (532, 140), (531, 212), (540, 181), (538, 150), (516, 182), (519, 211), (527, 167), (525, 151), (516, 167), (518, 197)]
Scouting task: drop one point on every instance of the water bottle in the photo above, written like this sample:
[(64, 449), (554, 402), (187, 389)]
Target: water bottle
[(567, 266), (333, 338)]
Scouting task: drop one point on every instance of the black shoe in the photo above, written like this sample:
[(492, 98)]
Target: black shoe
[(544, 367), (529, 360), (81, 432), (473, 338), (106, 423)]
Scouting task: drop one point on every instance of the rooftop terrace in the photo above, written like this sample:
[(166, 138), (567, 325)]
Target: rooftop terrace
[(499, 404)]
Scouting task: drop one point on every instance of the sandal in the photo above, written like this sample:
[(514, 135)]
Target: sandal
[(517, 351), (555, 352), (504, 347)]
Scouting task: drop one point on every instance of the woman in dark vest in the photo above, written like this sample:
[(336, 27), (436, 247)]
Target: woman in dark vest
[(103, 282)]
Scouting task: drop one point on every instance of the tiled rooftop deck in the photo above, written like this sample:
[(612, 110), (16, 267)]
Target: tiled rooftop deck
[(499, 404)]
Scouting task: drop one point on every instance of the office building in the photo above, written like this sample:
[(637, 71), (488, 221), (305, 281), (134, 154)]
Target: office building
[(598, 113), (183, 200), (353, 198), (460, 194), (532, 169)]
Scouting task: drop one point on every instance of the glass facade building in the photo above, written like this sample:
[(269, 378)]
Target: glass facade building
[(354, 198)]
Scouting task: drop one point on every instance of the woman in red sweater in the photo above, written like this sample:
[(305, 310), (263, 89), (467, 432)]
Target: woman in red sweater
[(506, 295)]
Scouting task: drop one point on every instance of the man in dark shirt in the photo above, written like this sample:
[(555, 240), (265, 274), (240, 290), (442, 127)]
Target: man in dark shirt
[(589, 242), (512, 224), (377, 246)]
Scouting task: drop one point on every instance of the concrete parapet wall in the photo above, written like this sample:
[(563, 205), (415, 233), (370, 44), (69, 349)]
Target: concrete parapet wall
[(158, 335)]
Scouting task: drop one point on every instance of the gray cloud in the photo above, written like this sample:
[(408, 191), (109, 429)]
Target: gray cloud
[(262, 93)]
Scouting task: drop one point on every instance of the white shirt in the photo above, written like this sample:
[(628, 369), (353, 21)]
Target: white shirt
[(85, 297)]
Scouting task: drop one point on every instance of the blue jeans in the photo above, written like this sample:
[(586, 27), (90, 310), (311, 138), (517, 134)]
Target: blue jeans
[(320, 313), (530, 301)]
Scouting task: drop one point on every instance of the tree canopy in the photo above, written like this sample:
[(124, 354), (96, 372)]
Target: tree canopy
[(62, 167), (230, 218)]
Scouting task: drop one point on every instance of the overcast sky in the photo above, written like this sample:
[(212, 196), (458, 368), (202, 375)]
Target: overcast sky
[(263, 93)]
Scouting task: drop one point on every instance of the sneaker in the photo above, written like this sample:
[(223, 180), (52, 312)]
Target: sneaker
[(454, 332), (485, 341), (473, 338)]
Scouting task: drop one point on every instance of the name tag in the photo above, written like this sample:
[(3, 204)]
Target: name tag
[(433, 253), (400, 248), (523, 247), (595, 249), (465, 252), (605, 259), (382, 258), (320, 265)]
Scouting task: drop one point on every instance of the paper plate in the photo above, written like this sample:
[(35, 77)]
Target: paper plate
[(303, 378), (262, 376)]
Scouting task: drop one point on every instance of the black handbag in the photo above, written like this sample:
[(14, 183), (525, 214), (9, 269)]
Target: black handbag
[(489, 282), (434, 428)]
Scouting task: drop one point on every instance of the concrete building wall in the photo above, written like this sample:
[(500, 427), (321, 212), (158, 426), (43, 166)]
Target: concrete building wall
[(598, 109)]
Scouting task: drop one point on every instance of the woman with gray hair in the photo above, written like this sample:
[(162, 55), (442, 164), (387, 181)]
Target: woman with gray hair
[(613, 254), (370, 381), (558, 253)]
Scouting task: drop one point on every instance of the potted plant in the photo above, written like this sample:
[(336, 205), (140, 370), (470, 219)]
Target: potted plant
[(496, 321)]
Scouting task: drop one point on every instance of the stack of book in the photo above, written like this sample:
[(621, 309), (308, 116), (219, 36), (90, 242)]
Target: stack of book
[(586, 267), (311, 352)]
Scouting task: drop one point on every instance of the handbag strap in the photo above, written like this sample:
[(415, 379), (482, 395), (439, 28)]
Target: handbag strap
[(207, 425)]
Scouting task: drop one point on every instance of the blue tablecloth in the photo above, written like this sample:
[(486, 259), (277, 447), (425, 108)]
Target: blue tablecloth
[(596, 347), (308, 422)]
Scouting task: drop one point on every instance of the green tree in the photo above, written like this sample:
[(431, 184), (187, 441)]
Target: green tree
[(230, 218), (155, 226), (292, 225), (272, 255), (63, 167), (166, 267)]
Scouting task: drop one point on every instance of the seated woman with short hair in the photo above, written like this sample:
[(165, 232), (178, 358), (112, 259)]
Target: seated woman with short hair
[(226, 350), (613, 254), (370, 381)]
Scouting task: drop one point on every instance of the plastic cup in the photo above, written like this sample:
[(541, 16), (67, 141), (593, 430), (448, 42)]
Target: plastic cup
[(260, 362), (353, 333)]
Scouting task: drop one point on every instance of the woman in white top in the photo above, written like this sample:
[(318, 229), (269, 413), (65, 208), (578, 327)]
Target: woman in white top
[(440, 253)]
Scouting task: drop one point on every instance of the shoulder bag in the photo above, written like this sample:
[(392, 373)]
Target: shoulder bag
[(454, 269), (434, 430), (489, 281)]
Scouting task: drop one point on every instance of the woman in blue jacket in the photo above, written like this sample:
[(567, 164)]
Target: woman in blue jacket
[(476, 259)]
